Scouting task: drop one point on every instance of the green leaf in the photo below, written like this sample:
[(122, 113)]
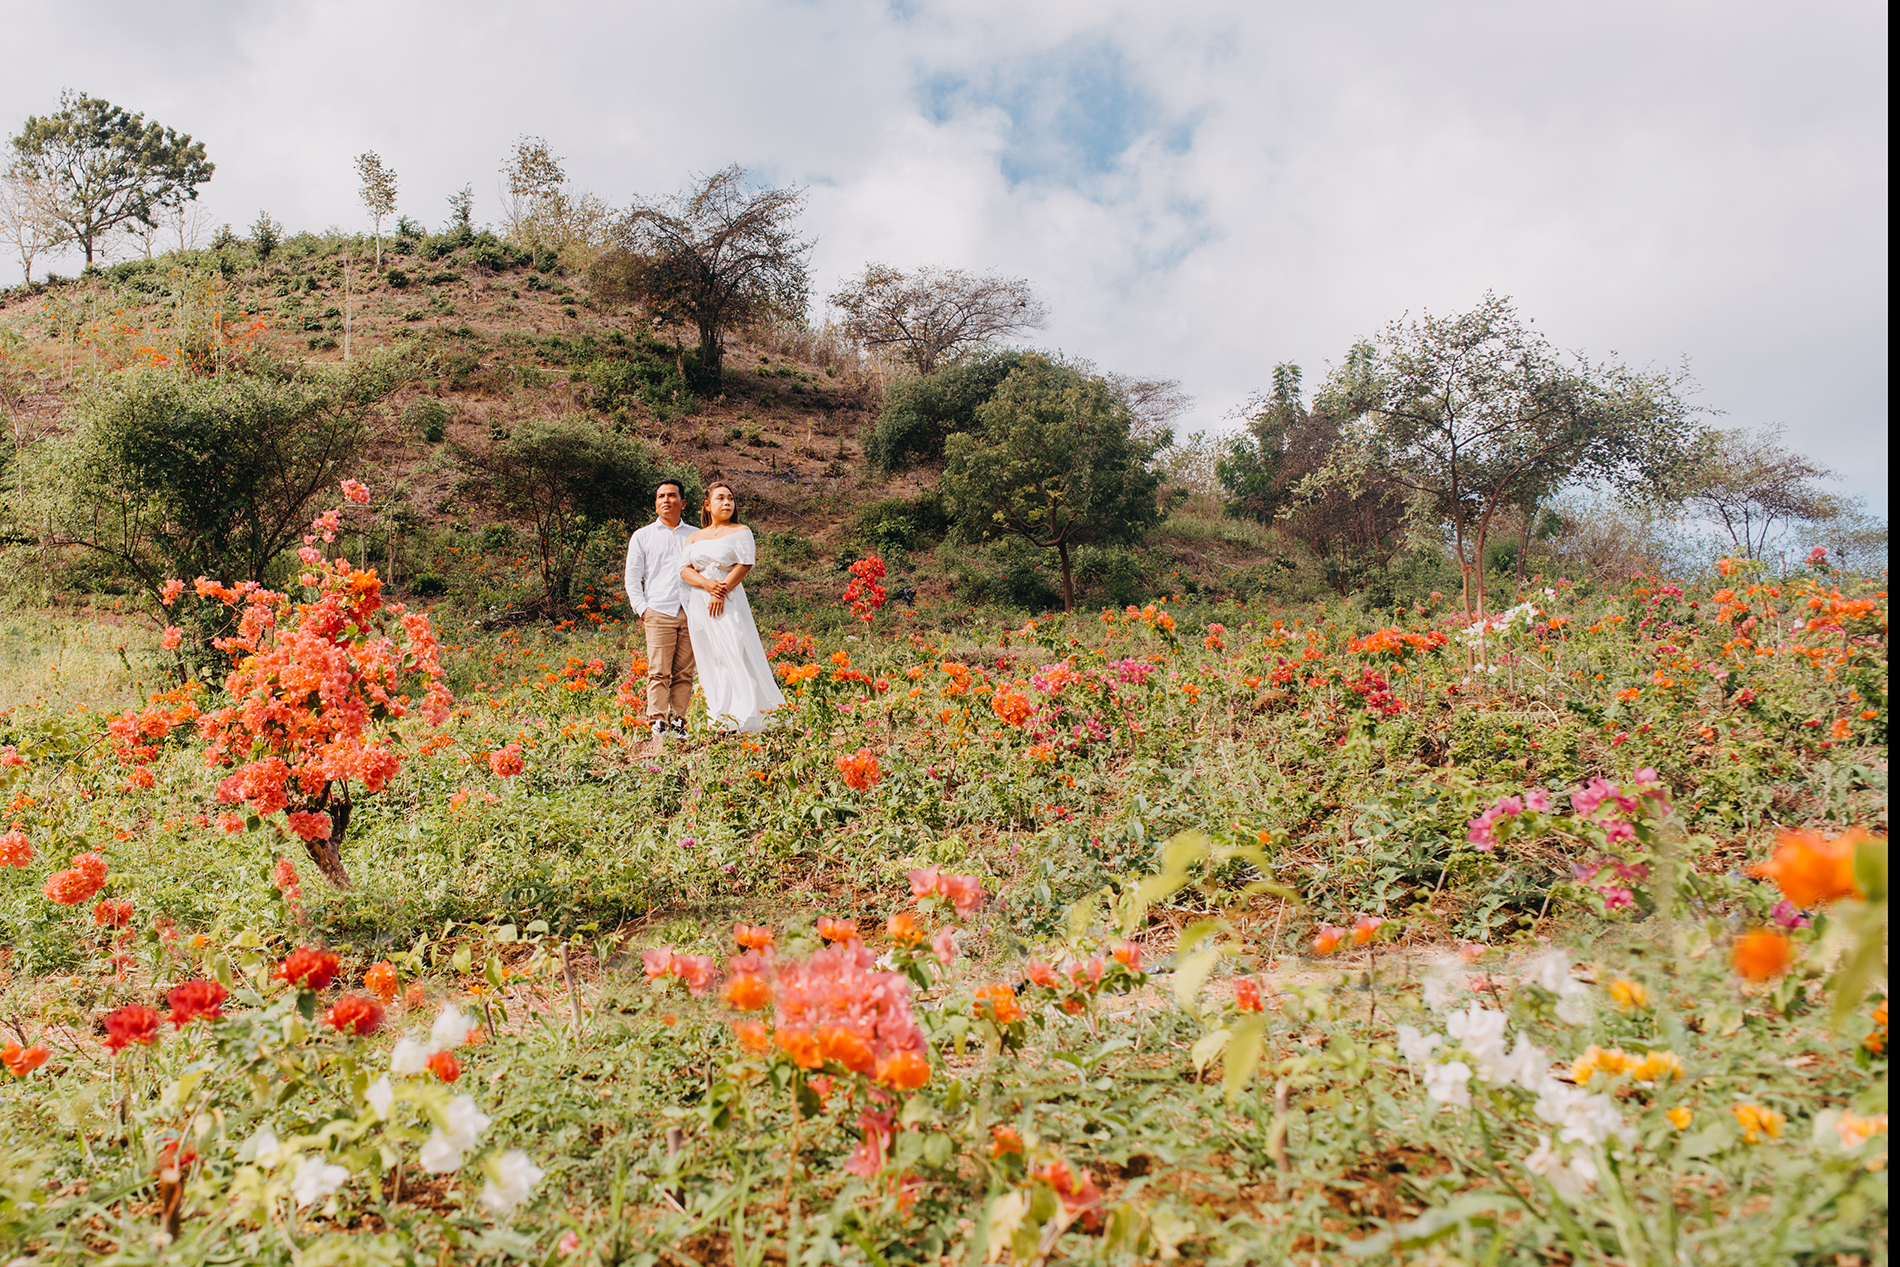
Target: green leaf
[(1190, 974), (1208, 1046), (1870, 867), (1242, 1054), (1433, 1225)]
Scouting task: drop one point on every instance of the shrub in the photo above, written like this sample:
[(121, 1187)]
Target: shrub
[(396, 278), (426, 417)]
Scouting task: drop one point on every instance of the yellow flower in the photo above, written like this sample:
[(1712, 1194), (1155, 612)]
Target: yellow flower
[(1758, 1123), (1680, 1117), (1629, 995), (1608, 1061), (1657, 1066)]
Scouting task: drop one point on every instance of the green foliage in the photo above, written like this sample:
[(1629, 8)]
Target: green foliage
[(1051, 461), (426, 417), (107, 168), (920, 413), (573, 478), (900, 523), (177, 475)]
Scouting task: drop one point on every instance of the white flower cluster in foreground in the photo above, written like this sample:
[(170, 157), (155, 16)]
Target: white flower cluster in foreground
[(1473, 1046), (458, 1126)]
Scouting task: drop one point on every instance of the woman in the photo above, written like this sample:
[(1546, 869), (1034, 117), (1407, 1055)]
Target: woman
[(733, 670)]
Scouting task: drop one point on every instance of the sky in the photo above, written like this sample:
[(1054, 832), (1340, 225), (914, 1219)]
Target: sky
[(1198, 192)]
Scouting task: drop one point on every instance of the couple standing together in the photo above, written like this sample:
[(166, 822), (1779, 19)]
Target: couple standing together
[(686, 586)]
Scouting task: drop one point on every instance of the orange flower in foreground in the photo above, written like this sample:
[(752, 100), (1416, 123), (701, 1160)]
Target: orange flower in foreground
[(800, 1046), (999, 1002), (904, 930), (445, 1066), (20, 1061), (1762, 954), (381, 978), (846, 1047), (752, 1036), (307, 968), (1328, 940), (354, 1014), (753, 937), (1812, 871), (1004, 1140), (1758, 1123), (837, 929), (907, 1070), (1246, 994), (747, 992)]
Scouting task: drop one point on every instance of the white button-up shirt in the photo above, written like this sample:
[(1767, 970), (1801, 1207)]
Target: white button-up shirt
[(655, 555)]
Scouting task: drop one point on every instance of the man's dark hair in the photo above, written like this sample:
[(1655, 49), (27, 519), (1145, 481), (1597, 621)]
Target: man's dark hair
[(677, 487)]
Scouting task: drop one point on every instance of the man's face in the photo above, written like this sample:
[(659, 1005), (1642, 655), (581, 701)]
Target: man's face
[(668, 503)]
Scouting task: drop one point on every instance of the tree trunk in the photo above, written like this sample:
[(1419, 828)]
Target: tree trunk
[(711, 358), (1068, 582), (328, 854), (1524, 540)]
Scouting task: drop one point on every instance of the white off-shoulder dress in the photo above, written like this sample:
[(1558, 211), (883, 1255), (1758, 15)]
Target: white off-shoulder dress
[(733, 671)]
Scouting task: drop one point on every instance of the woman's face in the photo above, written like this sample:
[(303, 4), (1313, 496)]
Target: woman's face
[(723, 504)]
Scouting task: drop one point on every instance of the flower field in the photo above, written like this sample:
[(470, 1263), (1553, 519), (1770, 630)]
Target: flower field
[(1193, 931)]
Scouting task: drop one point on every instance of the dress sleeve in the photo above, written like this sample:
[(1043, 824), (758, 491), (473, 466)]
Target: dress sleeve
[(744, 549)]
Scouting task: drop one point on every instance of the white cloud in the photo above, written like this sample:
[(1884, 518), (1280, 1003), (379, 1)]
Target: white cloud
[(1198, 194)]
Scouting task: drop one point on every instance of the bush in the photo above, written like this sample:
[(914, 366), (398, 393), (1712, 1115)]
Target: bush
[(921, 413), (396, 278), (897, 523), (426, 417), (428, 585)]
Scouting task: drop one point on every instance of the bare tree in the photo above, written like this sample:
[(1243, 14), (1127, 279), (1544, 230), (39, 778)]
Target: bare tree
[(188, 224), (1747, 482), (379, 194), (936, 312), (28, 221), (719, 256)]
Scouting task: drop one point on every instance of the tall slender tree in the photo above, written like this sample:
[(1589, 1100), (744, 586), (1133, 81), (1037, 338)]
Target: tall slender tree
[(379, 194)]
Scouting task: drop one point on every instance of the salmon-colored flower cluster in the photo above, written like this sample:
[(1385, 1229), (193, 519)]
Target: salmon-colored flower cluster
[(695, 971), (859, 770), (997, 1003), (506, 762), (964, 893), (832, 930), (15, 849), (79, 883), (1076, 1189), (110, 914), (1012, 707), (1762, 954), (1075, 983), (314, 681), (1364, 931)]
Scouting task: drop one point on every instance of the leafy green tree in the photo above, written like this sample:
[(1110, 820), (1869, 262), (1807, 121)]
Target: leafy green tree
[(718, 257), (574, 479), (920, 413), (107, 168), (1052, 460), (1476, 412), (1256, 470)]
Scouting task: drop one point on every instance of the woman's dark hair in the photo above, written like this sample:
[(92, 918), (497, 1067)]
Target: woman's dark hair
[(705, 507)]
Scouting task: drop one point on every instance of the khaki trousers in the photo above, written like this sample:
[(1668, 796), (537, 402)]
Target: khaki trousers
[(669, 664)]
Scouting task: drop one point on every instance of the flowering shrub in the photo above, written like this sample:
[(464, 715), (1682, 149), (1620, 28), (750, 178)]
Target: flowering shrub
[(864, 595)]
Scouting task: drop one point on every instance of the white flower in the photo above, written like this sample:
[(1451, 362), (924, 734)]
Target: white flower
[(1551, 970), (1570, 1178), (317, 1179), (1481, 1032), (1446, 1083), (1416, 1047), (1583, 1118), (515, 1176), (380, 1096), (1574, 1010), (409, 1057), (444, 1149), (263, 1146), (1440, 988), (1528, 1066), (450, 1028)]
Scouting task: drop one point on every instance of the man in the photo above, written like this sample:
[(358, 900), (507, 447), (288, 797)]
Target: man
[(658, 597)]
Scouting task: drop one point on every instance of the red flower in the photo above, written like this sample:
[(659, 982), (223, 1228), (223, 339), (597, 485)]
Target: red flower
[(753, 937), (506, 763), (307, 968), (134, 1023), (1328, 940), (444, 1066), (110, 914), (15, 849), (1246, 994), (860, 770), (837, 929), (354, 1014), (193, 999)]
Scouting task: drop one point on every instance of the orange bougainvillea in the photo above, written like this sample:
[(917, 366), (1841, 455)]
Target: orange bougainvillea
[(1762, 954), (1812, 871)]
